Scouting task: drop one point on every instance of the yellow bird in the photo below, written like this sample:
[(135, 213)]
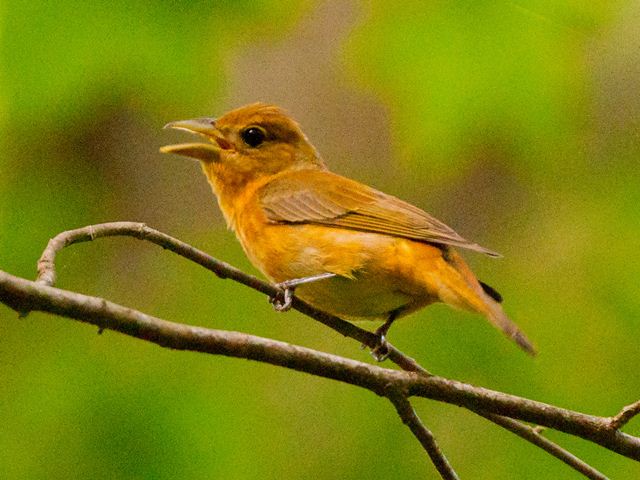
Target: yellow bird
[(344, 247)]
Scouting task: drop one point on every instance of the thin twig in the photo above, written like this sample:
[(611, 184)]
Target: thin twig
[(626, 414), (532, 434), (423, 434), (25, 295)]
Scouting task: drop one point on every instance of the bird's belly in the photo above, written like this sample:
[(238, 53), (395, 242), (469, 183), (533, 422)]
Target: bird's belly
[(376, 274), (359, 298)]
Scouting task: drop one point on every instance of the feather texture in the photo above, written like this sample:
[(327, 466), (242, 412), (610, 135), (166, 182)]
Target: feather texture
[(322, 197)]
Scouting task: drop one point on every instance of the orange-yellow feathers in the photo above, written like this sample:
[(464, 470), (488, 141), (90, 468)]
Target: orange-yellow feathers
[(295, 219)]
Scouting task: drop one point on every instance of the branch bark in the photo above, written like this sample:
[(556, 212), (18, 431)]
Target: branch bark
[(47, 276), (503, 409), (423, 434), (533, 435), (626, 414)]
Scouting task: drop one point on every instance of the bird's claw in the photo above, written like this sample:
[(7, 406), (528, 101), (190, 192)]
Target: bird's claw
[(381, 351), (282, 300)]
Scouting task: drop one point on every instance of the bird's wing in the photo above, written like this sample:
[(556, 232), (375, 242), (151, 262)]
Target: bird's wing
[(321, 197)]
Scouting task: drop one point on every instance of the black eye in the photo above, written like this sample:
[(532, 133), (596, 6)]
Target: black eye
[(253, 136)]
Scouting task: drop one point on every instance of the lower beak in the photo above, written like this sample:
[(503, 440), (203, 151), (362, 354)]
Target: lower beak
[(206, 152)]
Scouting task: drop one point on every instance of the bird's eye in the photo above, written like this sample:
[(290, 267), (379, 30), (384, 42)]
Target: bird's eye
[(253, 136)]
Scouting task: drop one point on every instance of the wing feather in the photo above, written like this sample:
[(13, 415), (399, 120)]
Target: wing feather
[(322, 197)]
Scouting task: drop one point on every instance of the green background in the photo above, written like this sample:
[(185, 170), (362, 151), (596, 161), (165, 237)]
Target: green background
[(515, 122)]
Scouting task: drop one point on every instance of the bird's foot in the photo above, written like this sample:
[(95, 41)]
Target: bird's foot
[(381, 351), (282, 300)]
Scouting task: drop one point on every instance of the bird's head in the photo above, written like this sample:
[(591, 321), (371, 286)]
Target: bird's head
[(245, 144)]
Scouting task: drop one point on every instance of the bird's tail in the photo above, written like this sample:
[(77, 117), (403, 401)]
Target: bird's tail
[(481, 298), (498, 318)]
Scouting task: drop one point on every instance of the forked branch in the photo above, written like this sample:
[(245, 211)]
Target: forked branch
[(503, 409)]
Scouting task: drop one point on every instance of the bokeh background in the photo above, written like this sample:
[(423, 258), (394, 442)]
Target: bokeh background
[(515, 122)]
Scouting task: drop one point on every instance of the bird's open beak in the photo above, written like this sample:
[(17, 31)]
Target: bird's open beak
[(207, 152)]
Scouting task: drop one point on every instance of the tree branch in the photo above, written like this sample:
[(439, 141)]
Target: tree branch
[(47, 276), (533, 436), (423, 434), (24, 296)]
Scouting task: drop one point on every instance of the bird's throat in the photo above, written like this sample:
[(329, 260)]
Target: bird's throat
[(232, 189)]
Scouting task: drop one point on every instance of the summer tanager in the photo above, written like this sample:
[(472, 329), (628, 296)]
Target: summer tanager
[(346, 248)]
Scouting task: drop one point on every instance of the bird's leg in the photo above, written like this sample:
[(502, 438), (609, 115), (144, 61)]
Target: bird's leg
[(381, 351), (282, 301)]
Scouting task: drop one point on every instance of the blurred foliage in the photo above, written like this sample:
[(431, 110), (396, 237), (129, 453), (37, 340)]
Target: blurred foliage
[(515, 122)]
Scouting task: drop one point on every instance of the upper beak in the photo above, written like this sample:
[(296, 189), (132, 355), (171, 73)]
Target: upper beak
[(203, 126), (207, 152)]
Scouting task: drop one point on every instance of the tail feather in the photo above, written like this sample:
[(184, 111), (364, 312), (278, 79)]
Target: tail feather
[(492, 292), (497, 317), (479, 297)]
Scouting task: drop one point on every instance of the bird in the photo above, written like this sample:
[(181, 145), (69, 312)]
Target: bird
[(338, 244)]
